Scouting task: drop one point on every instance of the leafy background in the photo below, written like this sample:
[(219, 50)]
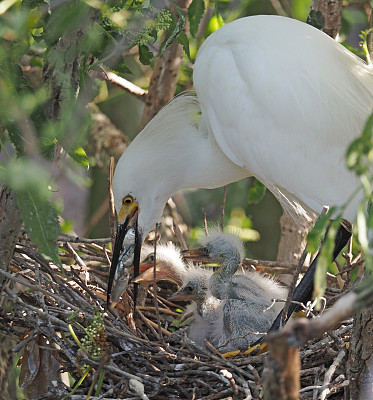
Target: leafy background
[(44, 158)]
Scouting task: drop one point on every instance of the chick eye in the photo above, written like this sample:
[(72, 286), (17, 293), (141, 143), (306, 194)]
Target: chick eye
[(188, 289), (150, 257), (127, 200)]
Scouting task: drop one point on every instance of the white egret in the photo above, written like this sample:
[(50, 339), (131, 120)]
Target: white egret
[(276, 99)]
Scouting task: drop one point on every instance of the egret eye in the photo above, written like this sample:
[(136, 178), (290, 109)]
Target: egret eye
[(127, 201)]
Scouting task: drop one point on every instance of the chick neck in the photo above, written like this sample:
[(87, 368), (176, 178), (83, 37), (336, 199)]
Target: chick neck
[(221, 280)]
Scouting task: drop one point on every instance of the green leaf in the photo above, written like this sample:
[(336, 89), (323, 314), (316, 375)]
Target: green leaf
[(195, 13), (79, 155), (16, 138), (70, 15), (256, 192), (41, 221), (145, 54), (183, 40), (30, 183), (317, 233), (315, 19), (174, 31), (121, 67), (153, 34), (324, 263), (359, 156)]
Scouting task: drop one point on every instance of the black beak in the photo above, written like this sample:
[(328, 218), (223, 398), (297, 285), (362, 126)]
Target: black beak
[(136, 263), (304, 290), (122, 230)]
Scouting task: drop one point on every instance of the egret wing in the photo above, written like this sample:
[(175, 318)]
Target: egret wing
[(284, 100)]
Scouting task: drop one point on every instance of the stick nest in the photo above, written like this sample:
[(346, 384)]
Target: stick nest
[(59, 319)]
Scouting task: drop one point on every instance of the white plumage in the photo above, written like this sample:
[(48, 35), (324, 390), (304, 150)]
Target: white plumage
[(276, 99), (246, 310), (229, 310)]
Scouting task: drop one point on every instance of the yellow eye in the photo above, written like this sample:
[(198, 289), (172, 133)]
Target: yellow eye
[(127, 201)]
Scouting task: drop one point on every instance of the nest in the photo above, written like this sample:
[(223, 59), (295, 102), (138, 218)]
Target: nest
[(60, 320)]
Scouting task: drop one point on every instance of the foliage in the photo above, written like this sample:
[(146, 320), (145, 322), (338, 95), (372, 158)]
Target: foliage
[(68, 41), (195, 13), (256, 192), (74, 38), (42, 118)]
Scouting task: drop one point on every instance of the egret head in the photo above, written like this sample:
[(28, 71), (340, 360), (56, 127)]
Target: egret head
[(137, 202)]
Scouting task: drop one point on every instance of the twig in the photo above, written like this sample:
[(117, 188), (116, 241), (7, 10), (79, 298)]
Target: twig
[(223, 207), (179, 236), (111, 203), (162, 310), (148, 323), (63, 237), (24, 282), (205, 223), (155, 286), (329, 373), (76, 256), (124, 84), (269, 264), (278, 8)]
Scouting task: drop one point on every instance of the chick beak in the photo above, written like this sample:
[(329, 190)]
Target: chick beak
[(122, 229), (200, 254), (163, 273), (179, 296)]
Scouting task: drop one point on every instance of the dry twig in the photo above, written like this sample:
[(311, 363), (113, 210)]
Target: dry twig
[(50, 301)]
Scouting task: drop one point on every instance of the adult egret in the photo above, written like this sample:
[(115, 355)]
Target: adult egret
[(276, 99)]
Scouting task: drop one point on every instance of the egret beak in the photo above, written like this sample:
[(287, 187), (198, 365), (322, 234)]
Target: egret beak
[(129, 220), (200, 254), (163, 273)]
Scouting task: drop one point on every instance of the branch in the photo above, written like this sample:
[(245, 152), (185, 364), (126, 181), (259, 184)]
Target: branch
[(300, 331), (123, 83)]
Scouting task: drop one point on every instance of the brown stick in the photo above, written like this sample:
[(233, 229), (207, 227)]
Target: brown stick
[(155, 286), (124, 84), (111, 203), (331, 11)]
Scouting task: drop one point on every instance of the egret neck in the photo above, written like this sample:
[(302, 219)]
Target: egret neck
[(175, 151)]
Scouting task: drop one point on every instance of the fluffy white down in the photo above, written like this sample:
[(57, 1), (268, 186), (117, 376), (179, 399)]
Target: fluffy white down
[(230, 323), (230, 238)]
